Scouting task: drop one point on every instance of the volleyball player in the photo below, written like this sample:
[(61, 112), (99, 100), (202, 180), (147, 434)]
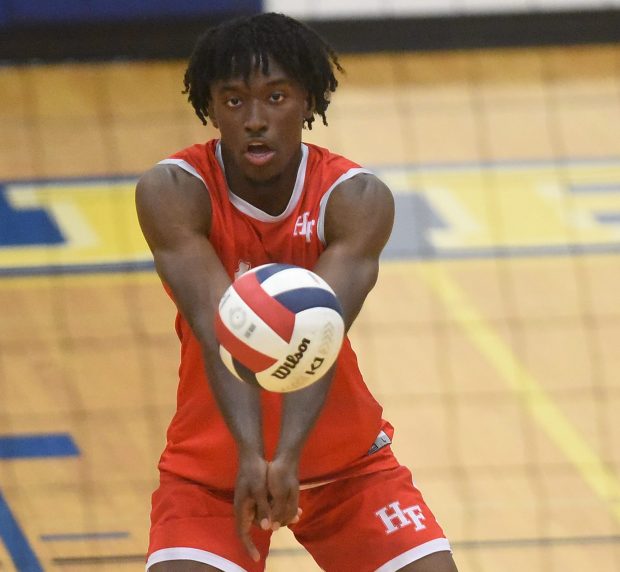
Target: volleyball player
[(240, 462)]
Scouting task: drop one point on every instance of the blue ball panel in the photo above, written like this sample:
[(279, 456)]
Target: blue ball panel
[(304, 298), (264, 273)]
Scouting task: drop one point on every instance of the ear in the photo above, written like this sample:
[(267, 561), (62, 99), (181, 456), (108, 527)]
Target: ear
[(212, 117), (309, 107)]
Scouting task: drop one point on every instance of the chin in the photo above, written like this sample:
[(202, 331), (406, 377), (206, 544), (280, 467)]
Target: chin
[(263, 176)]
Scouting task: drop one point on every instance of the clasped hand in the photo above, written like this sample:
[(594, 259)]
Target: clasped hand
[(266, 495)]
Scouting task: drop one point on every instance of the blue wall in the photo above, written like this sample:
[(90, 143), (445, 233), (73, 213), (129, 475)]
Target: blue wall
[(20, 12)]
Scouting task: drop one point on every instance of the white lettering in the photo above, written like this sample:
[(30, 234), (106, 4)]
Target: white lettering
[(416, 516), (303, 226), (399, 518)]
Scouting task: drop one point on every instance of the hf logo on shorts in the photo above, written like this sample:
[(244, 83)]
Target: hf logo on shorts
[(394, 518)]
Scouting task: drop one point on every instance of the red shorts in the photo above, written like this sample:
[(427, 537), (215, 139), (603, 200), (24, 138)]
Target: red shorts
[(376, 522)]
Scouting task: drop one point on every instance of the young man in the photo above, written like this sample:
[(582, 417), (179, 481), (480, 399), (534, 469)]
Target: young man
[(240, 462)]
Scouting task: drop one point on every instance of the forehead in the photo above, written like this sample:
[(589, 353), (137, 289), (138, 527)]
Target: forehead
[(254, 71)]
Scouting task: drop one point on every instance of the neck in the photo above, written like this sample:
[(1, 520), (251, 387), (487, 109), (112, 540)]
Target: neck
[(269, 195)]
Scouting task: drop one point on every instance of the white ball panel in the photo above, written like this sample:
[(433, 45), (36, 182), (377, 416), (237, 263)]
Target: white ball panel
[(257, 268), (313, 319), (314, 348), (291, 279)]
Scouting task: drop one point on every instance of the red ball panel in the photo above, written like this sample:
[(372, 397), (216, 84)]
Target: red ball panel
[(277, 316), (248, 356)]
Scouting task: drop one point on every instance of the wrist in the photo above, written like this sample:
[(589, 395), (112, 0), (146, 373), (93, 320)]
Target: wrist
[(288, 455), (249, 449)]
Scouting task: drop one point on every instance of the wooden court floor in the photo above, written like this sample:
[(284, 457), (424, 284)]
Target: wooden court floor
[(492, 338)]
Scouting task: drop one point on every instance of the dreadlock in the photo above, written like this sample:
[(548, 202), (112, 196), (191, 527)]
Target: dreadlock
[(242, 46)]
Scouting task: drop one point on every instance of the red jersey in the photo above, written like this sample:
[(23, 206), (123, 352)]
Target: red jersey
[(199, 445)]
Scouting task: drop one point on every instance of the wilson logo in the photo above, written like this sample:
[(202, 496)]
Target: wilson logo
[(292, 360), (316, 364)]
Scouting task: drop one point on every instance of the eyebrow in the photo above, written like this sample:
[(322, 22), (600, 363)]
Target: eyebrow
[(232, 85)]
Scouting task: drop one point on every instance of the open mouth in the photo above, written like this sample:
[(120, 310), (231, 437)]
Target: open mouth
[(259, 154)]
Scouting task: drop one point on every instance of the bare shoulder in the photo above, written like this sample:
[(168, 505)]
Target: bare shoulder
[(166, 195), (169, 181), (363, 188), (362, 202)]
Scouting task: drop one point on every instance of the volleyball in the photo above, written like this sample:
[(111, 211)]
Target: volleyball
[(279, 327)]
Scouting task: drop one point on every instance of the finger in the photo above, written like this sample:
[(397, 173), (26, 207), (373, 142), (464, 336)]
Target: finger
[(296, 518), (286, 512), (263, 511), (245, 514), (278, 509), (292, 506), (246, 539)]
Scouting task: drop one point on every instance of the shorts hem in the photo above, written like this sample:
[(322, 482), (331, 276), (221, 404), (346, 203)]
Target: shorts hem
[(183, 553), (430, 547)]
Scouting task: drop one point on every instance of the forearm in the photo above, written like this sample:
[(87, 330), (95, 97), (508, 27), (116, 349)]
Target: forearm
[(301, 409), (352, 287), (239, 404)]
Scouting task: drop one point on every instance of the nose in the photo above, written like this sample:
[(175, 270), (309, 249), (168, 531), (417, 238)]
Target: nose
[(255, 119)]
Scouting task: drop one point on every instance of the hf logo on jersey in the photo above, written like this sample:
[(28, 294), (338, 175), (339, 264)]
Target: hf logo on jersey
[(303, 226), (394, 518)]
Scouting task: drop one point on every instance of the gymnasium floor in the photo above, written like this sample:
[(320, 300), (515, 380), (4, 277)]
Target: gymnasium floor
[(491, 338)]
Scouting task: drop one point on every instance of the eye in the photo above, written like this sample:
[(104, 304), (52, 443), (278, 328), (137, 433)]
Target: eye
[(276, 97), (233, 102)]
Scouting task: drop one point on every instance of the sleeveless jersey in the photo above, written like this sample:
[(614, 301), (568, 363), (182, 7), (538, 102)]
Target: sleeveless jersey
[(199, 445)]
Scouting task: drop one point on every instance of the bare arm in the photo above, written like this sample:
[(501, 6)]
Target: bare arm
[(358, 223), (174, 211)]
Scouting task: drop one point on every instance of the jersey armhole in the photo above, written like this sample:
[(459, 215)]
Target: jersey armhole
[(320, 227), (188, 168), (183, 164)]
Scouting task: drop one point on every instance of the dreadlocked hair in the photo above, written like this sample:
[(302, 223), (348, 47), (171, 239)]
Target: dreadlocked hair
[(238, 48)]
